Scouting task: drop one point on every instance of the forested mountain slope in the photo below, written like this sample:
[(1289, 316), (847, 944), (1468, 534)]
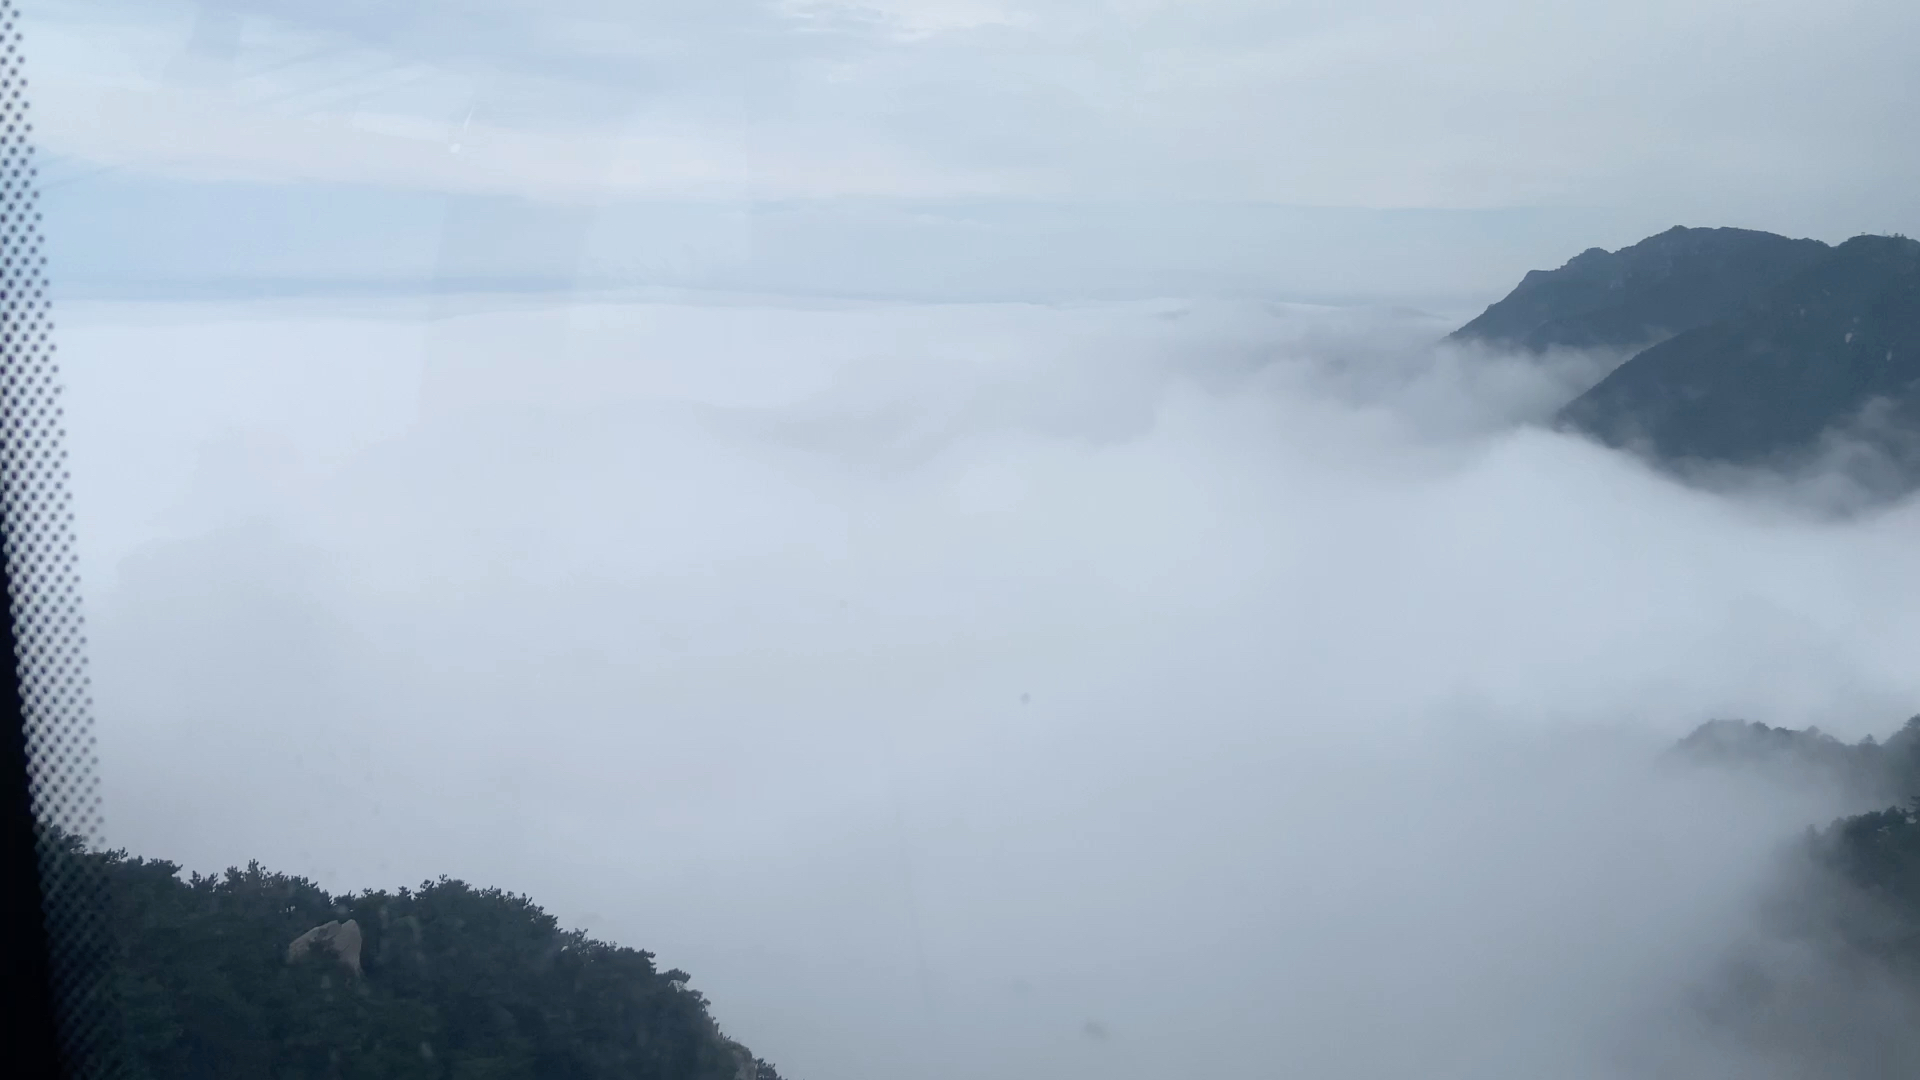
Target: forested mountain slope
[(452, 983), (1835, 348), (1664, 285), (1827, 985)]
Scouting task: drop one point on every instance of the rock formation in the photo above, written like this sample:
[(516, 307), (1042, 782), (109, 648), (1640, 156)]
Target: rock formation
[(340, 938)]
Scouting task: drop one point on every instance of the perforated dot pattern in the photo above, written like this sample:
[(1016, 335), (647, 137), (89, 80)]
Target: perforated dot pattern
[(45, 599)]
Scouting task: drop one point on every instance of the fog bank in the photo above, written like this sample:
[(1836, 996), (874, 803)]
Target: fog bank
[(1155, 688)]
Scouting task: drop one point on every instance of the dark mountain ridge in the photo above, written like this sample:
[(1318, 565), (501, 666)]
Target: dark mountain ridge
[(1755, 351), (1834, 348), (1664, 285)]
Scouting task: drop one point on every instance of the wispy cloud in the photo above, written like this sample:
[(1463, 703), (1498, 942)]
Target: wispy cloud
[(1688, 106)]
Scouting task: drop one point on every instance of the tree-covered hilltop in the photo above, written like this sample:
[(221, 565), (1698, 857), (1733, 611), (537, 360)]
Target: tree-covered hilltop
[(1826, 984), (453, 983), (1870, 861), (1872, 771), (1877, 851)]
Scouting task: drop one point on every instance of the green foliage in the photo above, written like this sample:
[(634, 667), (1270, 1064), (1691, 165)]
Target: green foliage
[(1874, 856), (457, 983)]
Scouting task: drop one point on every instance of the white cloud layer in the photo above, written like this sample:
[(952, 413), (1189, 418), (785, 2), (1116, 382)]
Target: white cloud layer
[(973, 690)]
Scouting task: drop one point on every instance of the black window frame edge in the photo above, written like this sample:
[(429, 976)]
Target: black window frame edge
[(57, 950), (27, 1024)]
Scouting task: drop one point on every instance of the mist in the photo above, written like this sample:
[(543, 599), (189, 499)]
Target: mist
[(1146, 689)]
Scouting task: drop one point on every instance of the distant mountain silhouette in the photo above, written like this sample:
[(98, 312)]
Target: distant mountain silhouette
[(1835, 345), (1830, 984), (1637, 296), (1878, 772)]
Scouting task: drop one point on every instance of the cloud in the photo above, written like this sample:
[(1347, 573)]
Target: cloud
[(1382, 104), (909, 19), (943, 683), (125, 234), (1857, 467)]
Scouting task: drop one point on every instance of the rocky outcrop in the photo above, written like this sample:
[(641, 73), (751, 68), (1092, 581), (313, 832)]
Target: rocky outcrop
[(342, 939)]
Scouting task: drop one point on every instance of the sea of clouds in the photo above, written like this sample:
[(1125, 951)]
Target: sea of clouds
[(1134, 689)]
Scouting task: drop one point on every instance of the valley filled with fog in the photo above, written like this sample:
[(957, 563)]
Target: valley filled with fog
[(1144, 688)]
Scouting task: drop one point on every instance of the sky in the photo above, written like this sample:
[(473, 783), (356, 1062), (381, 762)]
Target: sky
[(1016, 149), (949, 521)]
